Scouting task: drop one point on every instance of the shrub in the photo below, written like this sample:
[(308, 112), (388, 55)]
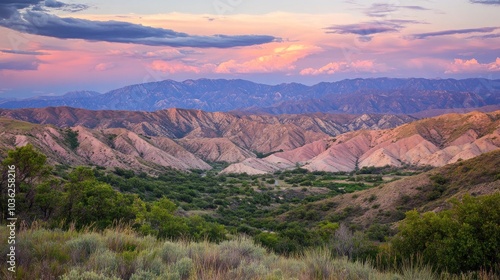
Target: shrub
[(104, 261), (248, 270), (464, 238), (233, 252), (82, 247), (172, 252), (184, 267), (143, 275), (76, 274), (71, 138)]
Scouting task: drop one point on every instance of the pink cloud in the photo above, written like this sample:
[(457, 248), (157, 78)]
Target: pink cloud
[(343, 66), (472, 65), (281, 59), (104, 66), (173, 67)]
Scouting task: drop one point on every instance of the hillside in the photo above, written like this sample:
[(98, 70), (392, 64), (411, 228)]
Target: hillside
[(275, 132), (435, 141), (109, 147), (180, 139), (188, 139), (356, 96), (429, 191)]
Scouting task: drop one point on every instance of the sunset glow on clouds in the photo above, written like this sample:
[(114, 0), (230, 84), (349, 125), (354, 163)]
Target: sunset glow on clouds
[(50, 49), (472, 65), (336, 67)]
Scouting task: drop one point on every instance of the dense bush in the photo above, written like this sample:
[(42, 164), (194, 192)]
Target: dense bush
[(464, 238)]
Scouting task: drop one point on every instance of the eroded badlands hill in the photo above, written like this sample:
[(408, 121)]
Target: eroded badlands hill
[(252, 133), (434, 141), (115, 147)]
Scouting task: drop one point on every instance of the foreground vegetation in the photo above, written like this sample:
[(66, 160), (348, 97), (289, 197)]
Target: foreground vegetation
[(69, 225), (120, 253)]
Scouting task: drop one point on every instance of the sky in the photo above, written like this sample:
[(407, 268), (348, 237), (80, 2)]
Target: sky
[(50, 47)]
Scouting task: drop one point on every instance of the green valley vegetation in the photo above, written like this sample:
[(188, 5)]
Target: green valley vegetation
[(96, 223), (71, 138)]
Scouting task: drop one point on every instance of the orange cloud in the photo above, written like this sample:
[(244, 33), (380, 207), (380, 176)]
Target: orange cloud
[(472, 65), (281, 59), (336, 67)]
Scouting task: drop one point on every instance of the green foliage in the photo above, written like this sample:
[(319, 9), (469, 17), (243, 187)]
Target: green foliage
[(184, 267), (88, 201), (71, 138), (263, 155), (95, 255), (76, 274), (160, 220), (30, 169), (29, 163), (200, 206), (48, 197), (378, 232), (327, 230), (464, 238), (82, 247), (79, 199), (200, 229)]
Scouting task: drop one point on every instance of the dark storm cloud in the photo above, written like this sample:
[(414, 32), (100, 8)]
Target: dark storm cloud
[(65, 7), (455, 31), (36, 21), (9, 8)]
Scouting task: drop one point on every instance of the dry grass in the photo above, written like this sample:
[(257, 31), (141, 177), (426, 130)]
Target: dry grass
[(120, 253)]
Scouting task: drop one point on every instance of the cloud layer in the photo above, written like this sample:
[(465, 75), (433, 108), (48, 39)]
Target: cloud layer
[(366, 29), (384, 9), (487, 2), (343, 66), (455, 31), (473, 66), (36, 21)]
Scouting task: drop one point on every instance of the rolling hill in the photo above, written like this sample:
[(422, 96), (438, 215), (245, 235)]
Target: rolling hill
[(429, 191)]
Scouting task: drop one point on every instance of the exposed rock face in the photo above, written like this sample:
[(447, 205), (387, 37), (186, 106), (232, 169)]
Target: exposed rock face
[(108, 148), (259, 133), (436, 141), (216, 149), (188, 139), (254, 166)]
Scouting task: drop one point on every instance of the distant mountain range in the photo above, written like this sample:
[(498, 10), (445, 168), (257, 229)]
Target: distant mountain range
[(356, 96)]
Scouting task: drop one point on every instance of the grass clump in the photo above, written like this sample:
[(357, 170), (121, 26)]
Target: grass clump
[(83, 246), (96, 255)]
